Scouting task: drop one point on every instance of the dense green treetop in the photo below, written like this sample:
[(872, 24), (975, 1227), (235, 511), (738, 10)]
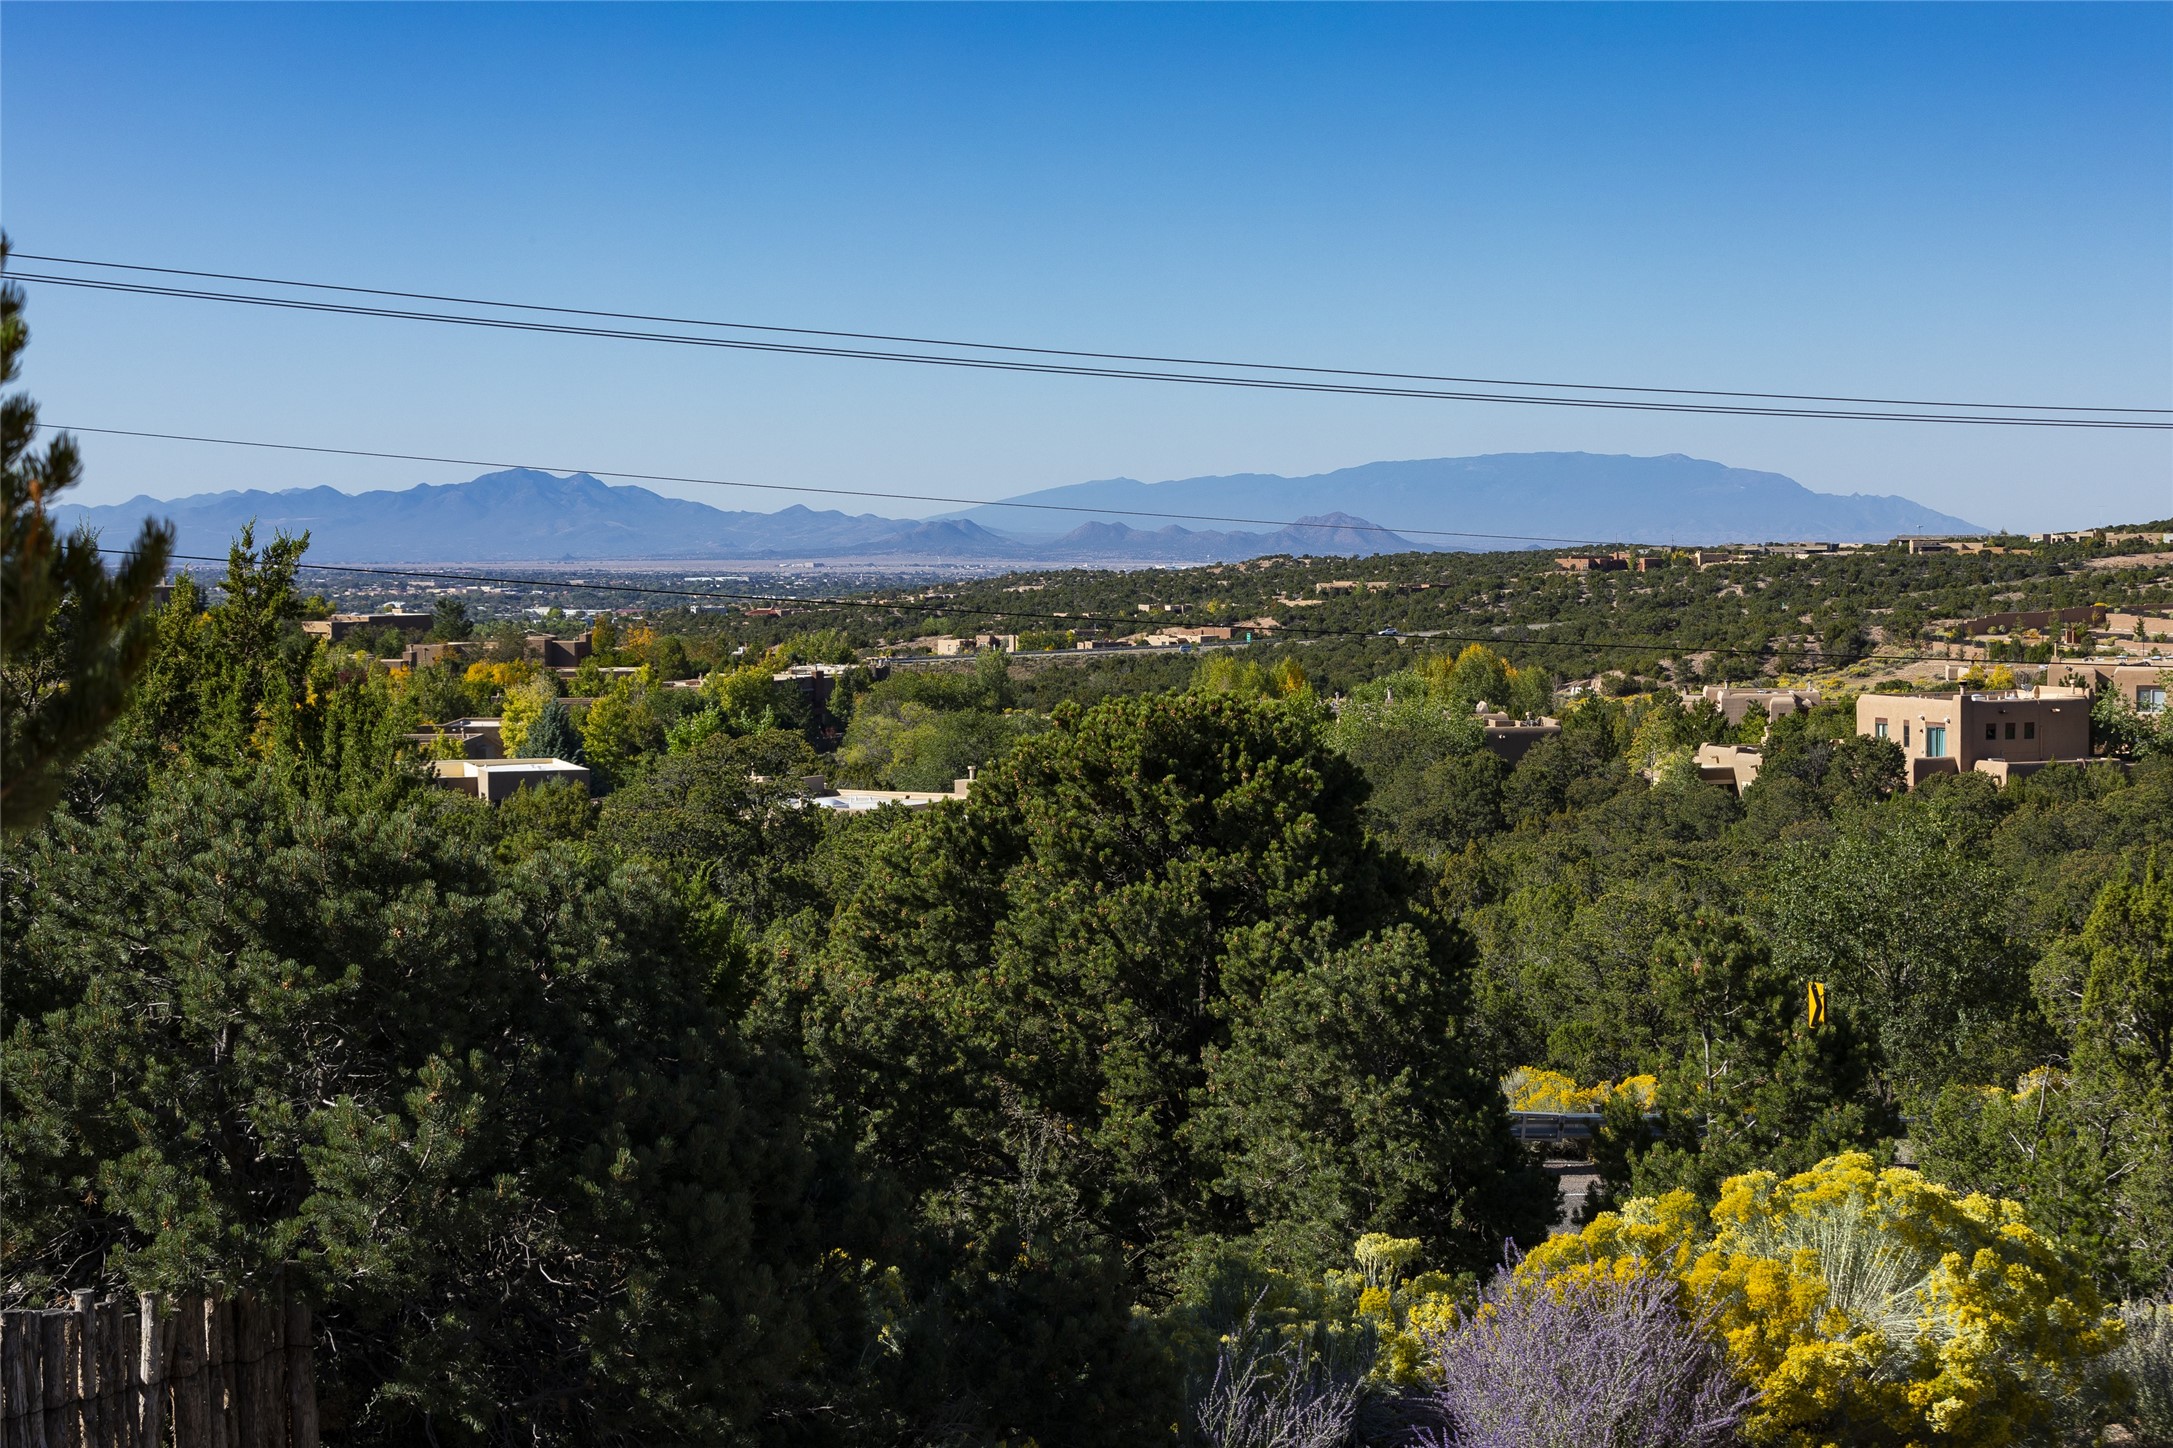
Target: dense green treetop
[(1149, 967), (494, 1120)]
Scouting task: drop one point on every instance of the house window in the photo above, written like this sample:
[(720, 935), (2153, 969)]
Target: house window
[(1935, 741), (2150, 698), (2029, 731), (1878, 728), (1991, 731), (2010, 731), (1905, 734)]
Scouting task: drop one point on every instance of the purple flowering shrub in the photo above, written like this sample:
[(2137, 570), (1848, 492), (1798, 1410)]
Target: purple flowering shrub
[(1584, 1363), (1263, 1397)]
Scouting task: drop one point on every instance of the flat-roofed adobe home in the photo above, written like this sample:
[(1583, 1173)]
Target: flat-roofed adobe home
[(340, 625), (493, 780), (1735, 703), (2001, 733), (2143, 686)]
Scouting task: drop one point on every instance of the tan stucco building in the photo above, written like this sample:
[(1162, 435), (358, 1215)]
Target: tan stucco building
[(493, 780), (2142, 685), (1735, 703), (1957, 733), (340, 625)]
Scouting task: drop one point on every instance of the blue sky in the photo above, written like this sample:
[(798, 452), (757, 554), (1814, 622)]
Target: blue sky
[(1948, 201)]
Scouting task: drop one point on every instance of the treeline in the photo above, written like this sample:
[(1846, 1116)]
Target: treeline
[(1770, 614)]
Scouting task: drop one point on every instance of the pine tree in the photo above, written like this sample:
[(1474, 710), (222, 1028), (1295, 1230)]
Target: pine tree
[(253, 678), (553, 736), (449, 620), (72, 635)]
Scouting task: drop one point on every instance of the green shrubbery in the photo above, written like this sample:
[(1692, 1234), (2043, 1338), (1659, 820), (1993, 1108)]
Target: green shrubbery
[(690, 1113)]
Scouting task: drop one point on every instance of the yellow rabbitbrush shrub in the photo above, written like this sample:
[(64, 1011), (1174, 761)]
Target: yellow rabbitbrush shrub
[(1530, 1088), (1870, 1308)]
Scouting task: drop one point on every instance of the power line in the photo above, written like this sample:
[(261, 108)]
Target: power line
[(827, 492), (1641, 646), (1060, 351), (990, 364)]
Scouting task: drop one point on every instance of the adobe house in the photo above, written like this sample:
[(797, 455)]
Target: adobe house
[(1735, 703), (422, 656), (493, 780), (476, 738), (1734, 766), (340, 625), (1958, 733), (2142, 685), (1512, 738), (555, 653)]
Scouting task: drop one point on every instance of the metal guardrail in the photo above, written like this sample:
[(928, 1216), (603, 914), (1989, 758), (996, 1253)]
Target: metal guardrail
[(1554, 1125)]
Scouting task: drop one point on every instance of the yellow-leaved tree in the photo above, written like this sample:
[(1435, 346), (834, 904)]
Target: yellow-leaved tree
[(1867, 1306), (523, 706)]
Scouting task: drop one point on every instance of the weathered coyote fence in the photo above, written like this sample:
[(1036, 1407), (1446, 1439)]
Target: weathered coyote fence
[(205, 1373)]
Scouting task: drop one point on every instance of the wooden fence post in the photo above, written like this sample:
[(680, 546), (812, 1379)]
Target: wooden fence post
[(301, 1377), (34, 1379), (119, 1374), (272, 1367), (243, 1413), (155, 1331), (248, 1356), (59, 1383), (214, 1373), (83, 1365), (11, 1376), (14, 1423), (24, 1333), (191, 1403), (222, 1387)]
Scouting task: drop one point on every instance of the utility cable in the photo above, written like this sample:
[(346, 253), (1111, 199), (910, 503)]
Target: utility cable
[(1205, 379), (1057, 351)]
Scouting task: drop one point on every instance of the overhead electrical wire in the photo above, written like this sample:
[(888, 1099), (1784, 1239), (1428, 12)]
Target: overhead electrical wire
[(1661, 647), (1060, 351), (1083, 369)]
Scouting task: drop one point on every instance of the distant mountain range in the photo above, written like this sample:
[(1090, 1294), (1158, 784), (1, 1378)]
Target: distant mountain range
[(1510, 497), (1507, 500)]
